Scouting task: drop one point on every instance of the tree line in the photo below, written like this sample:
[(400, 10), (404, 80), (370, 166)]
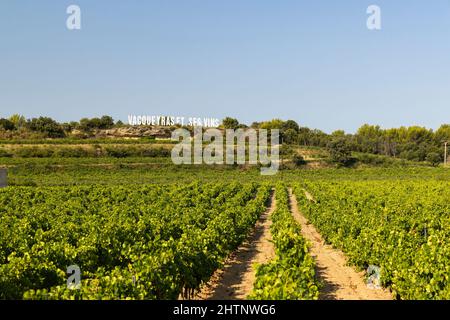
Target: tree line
[(413, 143), (50, 128)]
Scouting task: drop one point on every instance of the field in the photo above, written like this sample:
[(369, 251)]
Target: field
[(403, 228), (151, 242), (142, 228)]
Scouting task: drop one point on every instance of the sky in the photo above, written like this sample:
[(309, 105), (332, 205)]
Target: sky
[(313, 61)]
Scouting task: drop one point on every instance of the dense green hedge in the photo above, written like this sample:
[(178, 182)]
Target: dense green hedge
[(116, 151)]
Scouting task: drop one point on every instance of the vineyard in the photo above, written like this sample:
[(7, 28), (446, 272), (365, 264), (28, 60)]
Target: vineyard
[(291, 274), (150, 238), (402, 227), (150, 242)]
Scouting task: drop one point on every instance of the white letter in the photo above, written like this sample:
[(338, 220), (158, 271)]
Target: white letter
[(216, 147), (241, 135), (74, 280), (274, 151), (198, 145), (73, 22), (374, 20), (183, 147)]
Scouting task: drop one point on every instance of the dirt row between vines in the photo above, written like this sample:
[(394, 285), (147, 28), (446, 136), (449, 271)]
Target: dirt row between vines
[(341, 282), (235, 280)]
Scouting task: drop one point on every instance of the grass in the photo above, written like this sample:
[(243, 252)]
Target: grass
[(142, 170)]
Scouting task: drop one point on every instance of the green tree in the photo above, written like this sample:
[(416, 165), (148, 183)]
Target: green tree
[(290, 125), (434, 158), (442, 134), (304, 136), (319, 138), (272, 124), (338, 133), (369, 139), (340, 152), (290, 136), (18, 120), (85, 125), (46, 125), (230, 123), (7, 124), (419, 135), (69, 126), (106, 122), (255, 125)]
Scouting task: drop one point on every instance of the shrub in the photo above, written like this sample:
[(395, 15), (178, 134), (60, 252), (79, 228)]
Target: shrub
[(6, 124), (33, 152), (5, 154), (376, 160), (120, 152), (156, 152), (72, 153), (434, 158), (298, 160)]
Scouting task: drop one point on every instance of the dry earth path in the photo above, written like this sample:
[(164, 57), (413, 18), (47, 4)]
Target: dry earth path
[(341, 282), (235, 280)]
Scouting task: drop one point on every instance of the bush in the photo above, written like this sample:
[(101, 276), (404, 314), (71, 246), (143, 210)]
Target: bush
[(375, 160), (33, 152), (46, 125), (286, 150), (156, 152), (72, 153), (5, 154), (298, 160), (6, 124), (120, 152), (434, 158), (123, 152)]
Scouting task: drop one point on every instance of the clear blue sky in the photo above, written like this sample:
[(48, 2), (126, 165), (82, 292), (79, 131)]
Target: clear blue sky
[(312, 61)]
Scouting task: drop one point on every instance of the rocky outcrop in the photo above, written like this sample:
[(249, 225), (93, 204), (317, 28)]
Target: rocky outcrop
[(129, 132)]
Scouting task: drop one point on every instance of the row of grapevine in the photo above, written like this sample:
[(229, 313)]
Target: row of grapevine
[(145, 242), (291, 275), (403, 227)]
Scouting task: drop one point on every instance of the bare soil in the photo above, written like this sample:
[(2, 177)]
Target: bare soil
[(235, 280), (340, 281)]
